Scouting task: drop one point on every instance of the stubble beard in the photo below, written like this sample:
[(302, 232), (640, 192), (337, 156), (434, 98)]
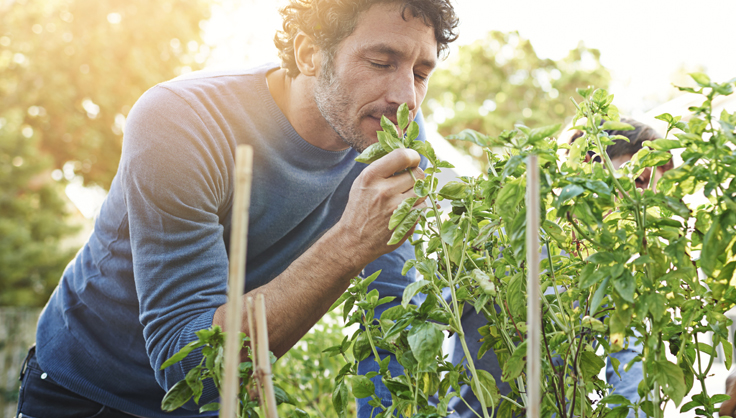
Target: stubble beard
[(333, 102)]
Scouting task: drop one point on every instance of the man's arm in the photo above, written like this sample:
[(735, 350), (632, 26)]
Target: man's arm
[(302, 294)]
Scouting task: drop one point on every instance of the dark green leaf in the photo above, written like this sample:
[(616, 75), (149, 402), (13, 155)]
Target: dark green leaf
[(177, 396), (402, 116), (455, 190), (600, 293), (411, 290), (212, 406), (389, 127), (371, 154), (568, 192), (401, 211), (340, 399), (362, 387), (425, 340), (590, 364), (515, 364), (405, 226), (413, 131), (179, 356)]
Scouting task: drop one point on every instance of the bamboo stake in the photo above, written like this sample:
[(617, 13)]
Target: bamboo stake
[(236, 280), (264, 359), (251, 310), (534, 312)]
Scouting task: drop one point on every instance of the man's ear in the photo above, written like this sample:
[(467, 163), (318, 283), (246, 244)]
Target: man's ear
[(307, 54)]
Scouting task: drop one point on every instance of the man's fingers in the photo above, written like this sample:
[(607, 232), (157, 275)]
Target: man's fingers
[(395, 161)]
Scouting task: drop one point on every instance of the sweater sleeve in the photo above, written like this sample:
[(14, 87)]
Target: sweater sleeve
[(389, 283), (176, 182)]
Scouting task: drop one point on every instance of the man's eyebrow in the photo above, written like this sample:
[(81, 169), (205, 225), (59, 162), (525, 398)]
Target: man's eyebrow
[(389, 50)]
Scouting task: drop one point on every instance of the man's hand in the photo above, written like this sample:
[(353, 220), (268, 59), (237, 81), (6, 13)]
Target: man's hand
[(375, 194)]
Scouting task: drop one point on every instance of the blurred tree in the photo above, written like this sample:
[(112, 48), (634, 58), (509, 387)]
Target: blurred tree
[(31, 218), (81, 64), (499, 81), (70, 70), (308, 374)]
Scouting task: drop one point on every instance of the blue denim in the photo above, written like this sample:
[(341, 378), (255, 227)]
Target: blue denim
[(41, 397), (626, 385)]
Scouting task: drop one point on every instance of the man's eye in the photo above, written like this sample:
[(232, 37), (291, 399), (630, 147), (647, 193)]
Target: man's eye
[(420, 77), (377, 65)]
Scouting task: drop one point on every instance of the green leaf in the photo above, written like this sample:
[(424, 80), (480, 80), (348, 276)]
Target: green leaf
[(601, 257), (655, 159), (195, 383), (177, 396), (413, 131), (663, 144), (405, 226), (598, 296), (401, 211), (388, 142), (362, 347), (515, 364), (470, 135), (389, 127), (727, 352), (411, 290), (340, 399), (179, 356), (455, 190), (591, 275), (362, 387), (425, 340), (212, 406), (657, 305), (590, 364), (537, 134), (402, 116), (515, 296), (610, 125), (568, 192), (281, 396), (702, 79), (371, 154), (489, 389), (671, 375), (625, 285)]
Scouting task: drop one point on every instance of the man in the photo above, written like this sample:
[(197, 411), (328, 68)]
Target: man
[(155, 269)]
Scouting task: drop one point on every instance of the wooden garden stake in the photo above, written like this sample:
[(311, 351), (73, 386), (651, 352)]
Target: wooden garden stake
[(263, 369), (534, 313), (236, 280)]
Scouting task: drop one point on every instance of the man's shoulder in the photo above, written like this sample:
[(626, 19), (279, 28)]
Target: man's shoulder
[(217, 76)]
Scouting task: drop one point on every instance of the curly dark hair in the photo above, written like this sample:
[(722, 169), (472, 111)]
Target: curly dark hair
[(328, 22)]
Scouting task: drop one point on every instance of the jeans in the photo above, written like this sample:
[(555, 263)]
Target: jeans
[(626, 385), (41, 397)]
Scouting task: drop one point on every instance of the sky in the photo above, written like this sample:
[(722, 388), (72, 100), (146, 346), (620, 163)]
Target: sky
[(642, 42)]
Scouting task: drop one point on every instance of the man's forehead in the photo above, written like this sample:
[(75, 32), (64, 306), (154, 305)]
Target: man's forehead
[(389, 49)]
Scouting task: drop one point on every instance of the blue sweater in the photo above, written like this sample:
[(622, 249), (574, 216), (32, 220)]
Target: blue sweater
[(155, 268)]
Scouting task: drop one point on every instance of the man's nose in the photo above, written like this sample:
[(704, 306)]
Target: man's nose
[(403, 90)]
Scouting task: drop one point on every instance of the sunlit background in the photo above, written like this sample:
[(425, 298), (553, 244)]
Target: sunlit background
[(70, 70)]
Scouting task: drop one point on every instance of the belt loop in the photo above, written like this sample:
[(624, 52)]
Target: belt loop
[(31, 352)]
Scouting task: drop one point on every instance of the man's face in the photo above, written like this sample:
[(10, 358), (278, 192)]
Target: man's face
[(642, 182), (385, 62)]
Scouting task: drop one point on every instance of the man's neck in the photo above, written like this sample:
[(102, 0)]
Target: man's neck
[(295, 98)]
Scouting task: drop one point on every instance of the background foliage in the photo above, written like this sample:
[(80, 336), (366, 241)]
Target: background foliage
[(498, 81), (69, 72)]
